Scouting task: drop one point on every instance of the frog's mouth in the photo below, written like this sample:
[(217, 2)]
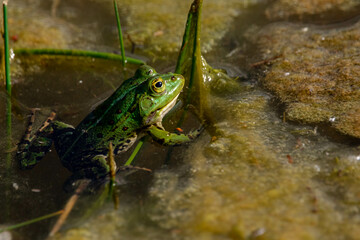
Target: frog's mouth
[(163, 111), (157, 115)]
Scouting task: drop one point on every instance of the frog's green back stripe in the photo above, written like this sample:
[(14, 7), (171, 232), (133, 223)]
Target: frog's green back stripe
[(126, 87)]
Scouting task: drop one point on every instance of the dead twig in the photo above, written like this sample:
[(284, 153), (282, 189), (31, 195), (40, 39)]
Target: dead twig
[(68, 207)]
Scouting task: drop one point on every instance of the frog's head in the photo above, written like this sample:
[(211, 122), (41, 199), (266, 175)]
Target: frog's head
[(145, 71), (160, 95)]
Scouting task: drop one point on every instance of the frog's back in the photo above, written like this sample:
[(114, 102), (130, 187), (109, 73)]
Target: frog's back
[(115, 120)]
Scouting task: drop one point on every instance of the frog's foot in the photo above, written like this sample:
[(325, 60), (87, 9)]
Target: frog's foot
[(33, 152), (172, 139), (47, 122), (31, 149), (27, 135), (194, 134)]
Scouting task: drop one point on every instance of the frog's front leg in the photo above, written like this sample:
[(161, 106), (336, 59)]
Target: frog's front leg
[(32, 149), (166, 138)]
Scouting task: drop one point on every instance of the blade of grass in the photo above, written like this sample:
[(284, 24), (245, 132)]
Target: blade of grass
[(31, 221), (120, 34), (6, 49), (135, 152), (8, 97), (190, 51), (77, 53)]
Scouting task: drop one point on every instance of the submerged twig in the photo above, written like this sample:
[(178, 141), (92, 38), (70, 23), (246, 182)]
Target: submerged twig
[(54, 7), (111, 162), (77, 53), (68, 207), (112, 170)]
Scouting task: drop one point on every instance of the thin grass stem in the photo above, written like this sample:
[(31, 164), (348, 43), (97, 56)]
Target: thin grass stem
[(77, 53), (134, 153), (8, 90), (6, 49), (31, 221), (120, 34)]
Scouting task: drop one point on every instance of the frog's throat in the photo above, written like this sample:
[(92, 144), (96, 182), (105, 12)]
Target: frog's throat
[(157, 115), (168, 107)]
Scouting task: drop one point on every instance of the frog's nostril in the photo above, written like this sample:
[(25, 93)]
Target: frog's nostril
[(173, 78)]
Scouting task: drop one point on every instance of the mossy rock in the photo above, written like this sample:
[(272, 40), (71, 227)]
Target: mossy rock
[(317, 75), (287, 8)]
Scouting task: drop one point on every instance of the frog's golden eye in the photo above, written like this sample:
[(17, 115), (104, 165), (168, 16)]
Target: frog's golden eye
[(158, 85)]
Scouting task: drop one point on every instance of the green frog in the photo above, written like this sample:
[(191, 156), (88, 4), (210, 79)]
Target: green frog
[(137, 107)]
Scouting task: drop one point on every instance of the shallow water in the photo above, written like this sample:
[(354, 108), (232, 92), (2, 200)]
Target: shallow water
[(259, 177)]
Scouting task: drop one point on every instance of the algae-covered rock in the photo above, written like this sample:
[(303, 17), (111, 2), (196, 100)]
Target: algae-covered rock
[(258, 181), (29, 27), (316, 73), (286, 8)]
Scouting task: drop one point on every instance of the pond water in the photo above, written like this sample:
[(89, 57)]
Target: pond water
[(259, 176)]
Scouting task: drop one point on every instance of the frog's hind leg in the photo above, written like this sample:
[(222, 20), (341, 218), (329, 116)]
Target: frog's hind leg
[(96, 169), (31, 149)]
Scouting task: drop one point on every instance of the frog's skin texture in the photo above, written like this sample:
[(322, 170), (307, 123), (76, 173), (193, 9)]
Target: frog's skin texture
[(135, 108)]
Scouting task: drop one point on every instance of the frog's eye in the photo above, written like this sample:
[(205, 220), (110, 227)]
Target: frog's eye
[(158, 85)]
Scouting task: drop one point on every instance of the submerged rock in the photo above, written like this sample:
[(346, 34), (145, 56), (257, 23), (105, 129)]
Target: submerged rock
[(316, 73)]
